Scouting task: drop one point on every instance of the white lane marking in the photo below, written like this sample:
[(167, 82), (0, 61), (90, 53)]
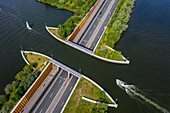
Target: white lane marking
[(41, 110), (51, 94), (60, 81), (62, 103), (71, 87)]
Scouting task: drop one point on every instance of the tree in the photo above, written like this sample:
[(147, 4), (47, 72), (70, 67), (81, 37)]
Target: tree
[(68, 31), (4, 110), (28, 69), (8, 89), (3, 99), (15, 84), (21, 76)]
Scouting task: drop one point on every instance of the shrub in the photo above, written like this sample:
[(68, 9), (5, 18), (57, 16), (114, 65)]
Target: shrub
[(3, 99)]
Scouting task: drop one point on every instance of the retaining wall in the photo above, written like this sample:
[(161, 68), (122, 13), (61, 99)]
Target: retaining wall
[(18, 107), (82, 22)]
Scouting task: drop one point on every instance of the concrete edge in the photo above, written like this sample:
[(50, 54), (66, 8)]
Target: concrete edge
[(29, 89), (100, 88), (93, 101), (22, 53), (89, 53), (70, 95), (35, 53)]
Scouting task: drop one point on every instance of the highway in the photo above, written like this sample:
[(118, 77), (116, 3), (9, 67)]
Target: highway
[(62, 85), (66, 94), (53, 91), (95, 30)]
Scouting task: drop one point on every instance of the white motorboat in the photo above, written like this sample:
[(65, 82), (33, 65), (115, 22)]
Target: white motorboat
[(28, 27)]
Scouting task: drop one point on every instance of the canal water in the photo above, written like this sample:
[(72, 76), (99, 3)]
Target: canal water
[(146, 42)]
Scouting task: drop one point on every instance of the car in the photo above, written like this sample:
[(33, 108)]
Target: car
[(110, 12), (100, 13), (105, 27)]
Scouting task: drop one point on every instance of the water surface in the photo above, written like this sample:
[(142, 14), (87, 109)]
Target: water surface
[(146, 43)]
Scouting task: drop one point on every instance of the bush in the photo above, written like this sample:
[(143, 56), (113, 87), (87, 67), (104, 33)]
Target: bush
[(15, 84), (3, 99), (8, 89)]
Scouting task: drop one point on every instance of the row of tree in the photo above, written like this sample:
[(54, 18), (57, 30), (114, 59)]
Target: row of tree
[(118, 23), (15, 90), (78, 7), (116, 26)]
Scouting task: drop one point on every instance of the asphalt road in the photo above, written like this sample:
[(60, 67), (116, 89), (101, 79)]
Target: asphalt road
[(53, 91), (88, 35), (65, 95)]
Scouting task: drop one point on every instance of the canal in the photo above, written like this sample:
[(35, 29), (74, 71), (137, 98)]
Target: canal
[(146, 42)]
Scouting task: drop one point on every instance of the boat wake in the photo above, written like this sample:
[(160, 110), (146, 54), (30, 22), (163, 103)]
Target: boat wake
[(137, 94)]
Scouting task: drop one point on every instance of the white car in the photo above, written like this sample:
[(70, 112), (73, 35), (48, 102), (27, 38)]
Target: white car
[(105, 27)]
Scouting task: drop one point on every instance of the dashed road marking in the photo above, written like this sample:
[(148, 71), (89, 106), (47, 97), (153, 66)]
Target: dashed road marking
[(41, 110), (60, 81), (71, 87), (51, 94), (62, 103)]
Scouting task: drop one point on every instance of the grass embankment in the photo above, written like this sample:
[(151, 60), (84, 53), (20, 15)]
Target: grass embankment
[(54, 31), (39, 60), (78, 7), (87, 89), (116, 26)]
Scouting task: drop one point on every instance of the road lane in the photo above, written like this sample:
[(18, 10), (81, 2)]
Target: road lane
[(66, 94), (85, 38), (96, 39), (53, 91), (91, 40)]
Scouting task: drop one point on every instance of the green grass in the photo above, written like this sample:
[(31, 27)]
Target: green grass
[(87, 89), (34, 58)]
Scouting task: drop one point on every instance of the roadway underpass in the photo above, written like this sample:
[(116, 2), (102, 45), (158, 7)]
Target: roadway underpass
[(90, 37), (54, 97)]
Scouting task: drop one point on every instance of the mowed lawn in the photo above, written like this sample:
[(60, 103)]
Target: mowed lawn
[(40, 60), (87, 89)]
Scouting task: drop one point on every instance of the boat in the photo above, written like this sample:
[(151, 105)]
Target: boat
[(28, 27), (121, 83), (133, 92)]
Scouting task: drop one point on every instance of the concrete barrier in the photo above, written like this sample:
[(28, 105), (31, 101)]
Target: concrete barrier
[(93, 101)]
